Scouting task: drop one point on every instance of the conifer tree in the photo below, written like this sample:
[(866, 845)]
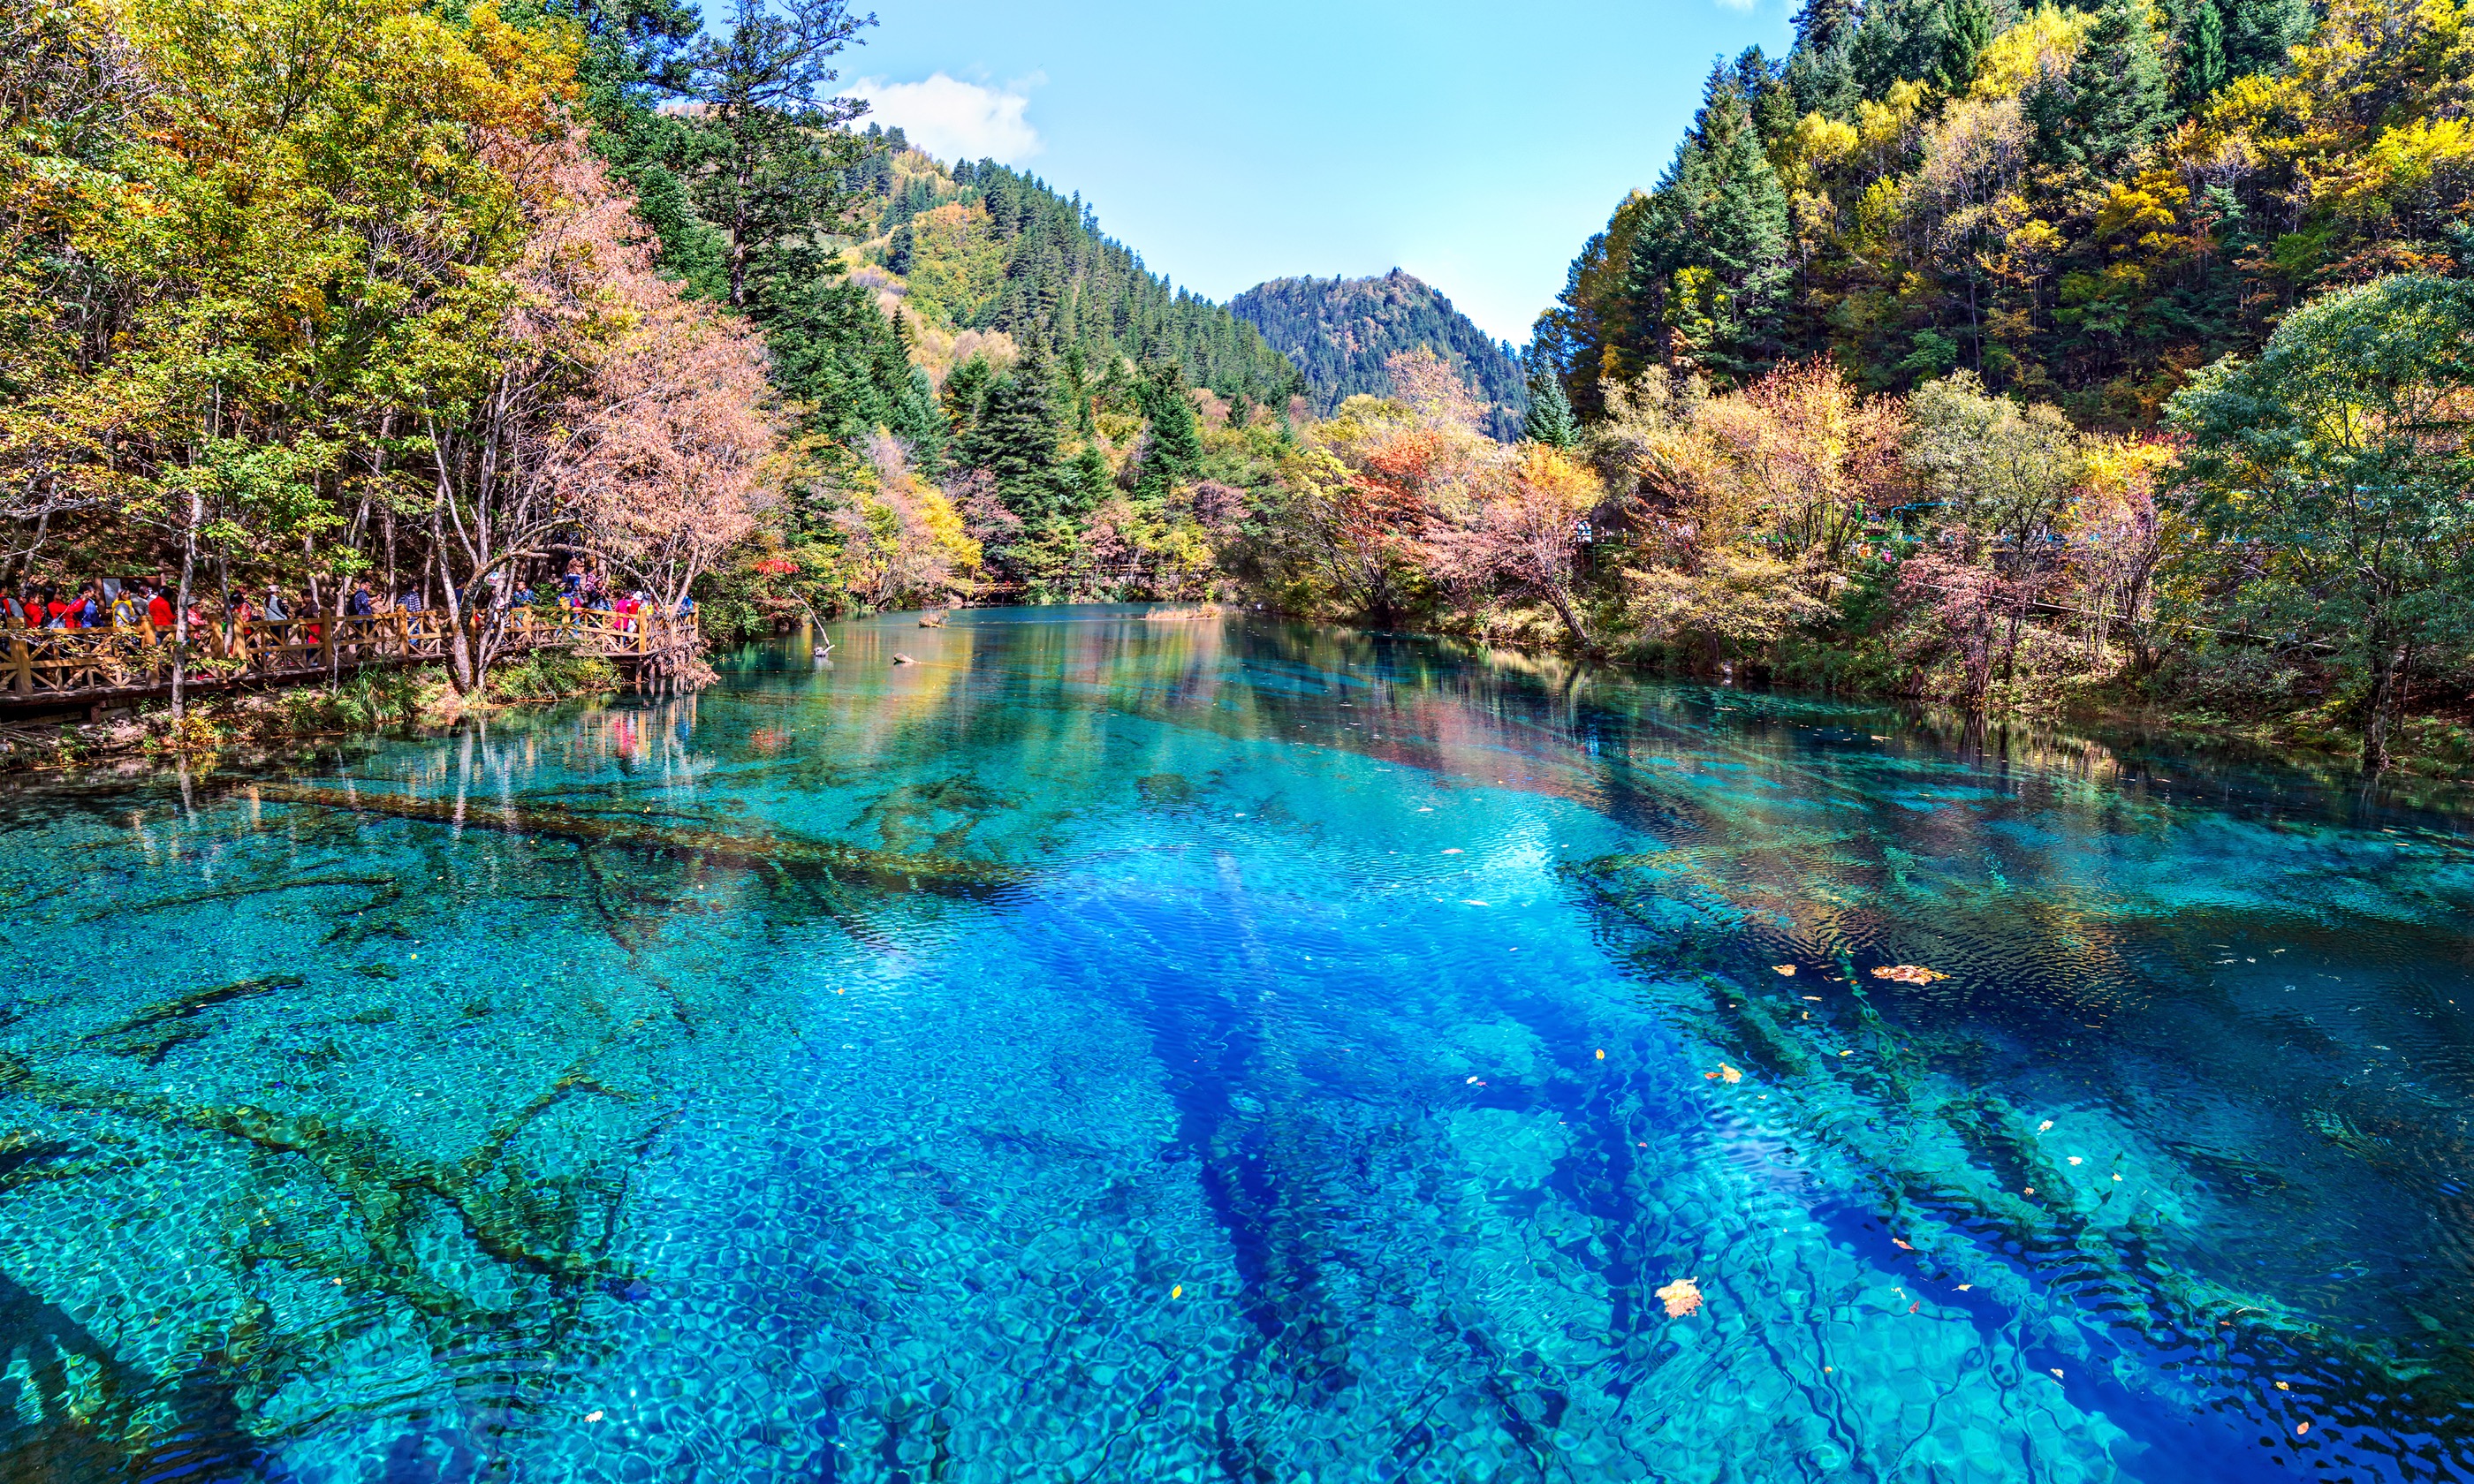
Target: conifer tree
[(2200, 60), (1714, 247), (1820, 71), (2114, 101), (771, 153), (2261, 33), (1550, 419), (1174, 455), (1014, 439), (1968, 32)]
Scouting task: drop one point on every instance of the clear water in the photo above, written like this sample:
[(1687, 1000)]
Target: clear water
[(1253, 1054)]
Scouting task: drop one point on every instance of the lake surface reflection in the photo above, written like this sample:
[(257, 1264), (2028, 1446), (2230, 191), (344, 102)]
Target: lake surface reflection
[(1111, 1050)]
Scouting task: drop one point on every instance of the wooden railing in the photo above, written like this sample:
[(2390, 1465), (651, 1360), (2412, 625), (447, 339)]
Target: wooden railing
[(79, 664)]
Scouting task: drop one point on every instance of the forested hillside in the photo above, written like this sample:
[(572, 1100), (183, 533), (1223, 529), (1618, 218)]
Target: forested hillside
[(1342, 333), (2079, 206)]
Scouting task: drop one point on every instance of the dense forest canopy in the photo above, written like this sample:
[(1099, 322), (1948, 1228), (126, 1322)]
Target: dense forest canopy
[(2080, 204), (1342, 333)]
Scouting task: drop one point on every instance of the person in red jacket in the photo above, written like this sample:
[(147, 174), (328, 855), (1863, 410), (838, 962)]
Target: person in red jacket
[(158, 610)]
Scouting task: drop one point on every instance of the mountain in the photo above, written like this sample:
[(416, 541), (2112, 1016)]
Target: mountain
[(1340, 331), (977, 250)]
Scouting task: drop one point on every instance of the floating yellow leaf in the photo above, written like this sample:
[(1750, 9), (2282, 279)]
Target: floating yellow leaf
[(2057, 1373), (1966, 1287), (1787, 970), (2076, 1159), (2299, 1429), (1902, 1246), (1681, 1296), (1178, 1292), (2284, 1386), (1602, 1055), (2046, 1127), (593, 1417), (1910, 973), (1727, 1073)]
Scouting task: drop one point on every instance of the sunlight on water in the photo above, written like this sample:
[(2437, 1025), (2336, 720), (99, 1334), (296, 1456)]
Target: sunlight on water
[(1108, 1050)]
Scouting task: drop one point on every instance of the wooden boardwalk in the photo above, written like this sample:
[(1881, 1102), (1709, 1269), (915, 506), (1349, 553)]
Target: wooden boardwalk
[(69, 667)]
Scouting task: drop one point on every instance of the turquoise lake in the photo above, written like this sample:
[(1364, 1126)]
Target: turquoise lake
[(1230, 1051)]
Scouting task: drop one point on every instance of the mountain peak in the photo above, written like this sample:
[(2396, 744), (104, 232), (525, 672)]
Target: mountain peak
[(1341, 331)]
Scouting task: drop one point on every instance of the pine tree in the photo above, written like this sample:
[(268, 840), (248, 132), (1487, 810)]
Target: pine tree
[(1550, 419), (2113, 103), (1819, 74), (1967, 32), (2260, 33), (1174, 455), (1715, 248), (2201, 62), (1014, 439)]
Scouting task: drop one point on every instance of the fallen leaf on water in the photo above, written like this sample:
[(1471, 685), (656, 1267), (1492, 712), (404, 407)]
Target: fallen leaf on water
[(1815, 998), (2299, 1429), (1727, 1073), (2031, 1190), (2117, 1176), (2075, 1160), (1178, 1292), (1902, 1246), (1454, 850), (2057, 1373), (1846, 1053), (1912, 1307), (2046, 1127), (1910, 973), (1681, 1296), (1787, 970), (593, 1417), (1601, 1056), (2282, 1386), (1966, 1287)]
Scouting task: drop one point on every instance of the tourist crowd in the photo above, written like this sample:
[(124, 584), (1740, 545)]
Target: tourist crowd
[(149, 603)]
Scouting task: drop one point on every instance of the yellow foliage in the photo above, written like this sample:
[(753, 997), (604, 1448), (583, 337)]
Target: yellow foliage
[(1877, 210), (1883, 124), (957, 266), (1818, 144), (2132, 211), (944, 525), (1557, 475), (2049, 38)]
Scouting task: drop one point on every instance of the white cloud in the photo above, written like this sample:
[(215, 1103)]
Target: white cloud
[(952, 119)]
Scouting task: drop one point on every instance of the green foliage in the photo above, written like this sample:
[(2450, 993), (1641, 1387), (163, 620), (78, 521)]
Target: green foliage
[(1714, 249), (1550, 420), (2341, 456)]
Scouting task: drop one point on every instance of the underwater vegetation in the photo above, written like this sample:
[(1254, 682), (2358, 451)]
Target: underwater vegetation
[(1230, 1050)]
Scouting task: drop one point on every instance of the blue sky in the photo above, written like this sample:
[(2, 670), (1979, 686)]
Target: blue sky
[(1477, 147)]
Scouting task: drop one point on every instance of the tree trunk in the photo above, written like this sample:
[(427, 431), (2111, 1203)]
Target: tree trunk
[(2388, 690), (180, 608), (459, 647)]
